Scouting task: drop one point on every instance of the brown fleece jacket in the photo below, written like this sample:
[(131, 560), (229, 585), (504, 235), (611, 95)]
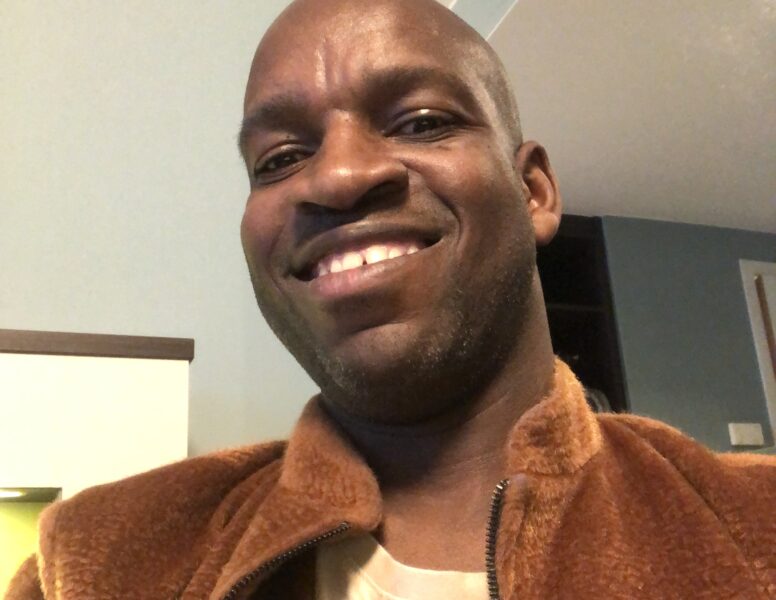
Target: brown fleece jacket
[(600, 506)]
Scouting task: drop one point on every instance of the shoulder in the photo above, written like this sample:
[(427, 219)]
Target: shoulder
[(171, 506), (680, 449), (735, 492), (734, 485), (194, 483)]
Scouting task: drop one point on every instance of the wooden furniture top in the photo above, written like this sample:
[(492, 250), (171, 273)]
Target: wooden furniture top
[(16, 341)]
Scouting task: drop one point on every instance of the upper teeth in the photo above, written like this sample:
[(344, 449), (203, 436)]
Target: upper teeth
[(343, 261)]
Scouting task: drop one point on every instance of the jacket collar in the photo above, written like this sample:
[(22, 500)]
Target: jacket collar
[(556, 436), (324, 482), (559, 434)]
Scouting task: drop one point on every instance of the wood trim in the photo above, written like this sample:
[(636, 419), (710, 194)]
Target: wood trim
[(759, 283), (16, 341)]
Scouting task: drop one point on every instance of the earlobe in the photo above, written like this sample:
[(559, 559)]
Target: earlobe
[(540, 188)]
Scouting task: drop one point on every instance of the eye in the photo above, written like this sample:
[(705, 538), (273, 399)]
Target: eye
[(425, 124), (276, 164)]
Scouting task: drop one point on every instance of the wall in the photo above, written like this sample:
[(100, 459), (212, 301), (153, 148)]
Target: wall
[(18, 536), (121, 193), (685, 337), (121, 189)]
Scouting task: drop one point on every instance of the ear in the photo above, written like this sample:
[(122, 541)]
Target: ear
[(540, 190)]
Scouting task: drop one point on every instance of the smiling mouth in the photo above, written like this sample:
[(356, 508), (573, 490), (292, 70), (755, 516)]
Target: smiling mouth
[(363, 255)]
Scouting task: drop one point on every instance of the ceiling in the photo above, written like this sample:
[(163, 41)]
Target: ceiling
[(660, 109)]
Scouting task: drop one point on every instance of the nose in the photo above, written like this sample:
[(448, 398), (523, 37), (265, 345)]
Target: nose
[(353, 165)]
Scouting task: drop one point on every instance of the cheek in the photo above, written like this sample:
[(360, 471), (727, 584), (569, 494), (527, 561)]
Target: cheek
[(484, 193), (259, 234), (259, 231), (472, 170), (480, 186)]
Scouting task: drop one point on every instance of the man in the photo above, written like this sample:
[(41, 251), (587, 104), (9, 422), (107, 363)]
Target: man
[(390, 234)]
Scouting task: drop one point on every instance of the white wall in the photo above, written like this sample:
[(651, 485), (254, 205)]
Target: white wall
[(75, 421), (121, 192)]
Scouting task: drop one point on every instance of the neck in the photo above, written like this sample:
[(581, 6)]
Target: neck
[(466, 444), (436, 477)]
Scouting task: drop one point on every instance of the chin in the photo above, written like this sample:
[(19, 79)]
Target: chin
[(388, 351), (391, 374)]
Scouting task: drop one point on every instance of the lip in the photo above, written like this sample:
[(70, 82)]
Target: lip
[(348, 237), (376, 278)]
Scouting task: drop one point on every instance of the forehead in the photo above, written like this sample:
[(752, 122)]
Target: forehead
[(335, 53)]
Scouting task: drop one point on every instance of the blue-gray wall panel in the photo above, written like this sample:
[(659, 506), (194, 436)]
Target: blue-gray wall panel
[(685, 336)]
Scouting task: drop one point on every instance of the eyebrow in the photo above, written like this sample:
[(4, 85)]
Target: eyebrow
[(292, 110), (282, 111), (400, 81)]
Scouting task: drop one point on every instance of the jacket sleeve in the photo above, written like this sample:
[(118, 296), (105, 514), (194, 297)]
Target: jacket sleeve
[(739, 488), (745, 503), (25, 585)]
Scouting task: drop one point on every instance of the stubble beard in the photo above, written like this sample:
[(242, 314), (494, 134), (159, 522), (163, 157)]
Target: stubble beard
[(447, 367)]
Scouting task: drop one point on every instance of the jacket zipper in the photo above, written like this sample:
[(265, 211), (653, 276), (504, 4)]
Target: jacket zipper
[(490, 539), (494, 519), (281, 558)]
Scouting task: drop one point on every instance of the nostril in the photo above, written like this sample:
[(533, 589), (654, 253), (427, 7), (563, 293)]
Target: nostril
[(346, 190), (315, 209), (384, 188)]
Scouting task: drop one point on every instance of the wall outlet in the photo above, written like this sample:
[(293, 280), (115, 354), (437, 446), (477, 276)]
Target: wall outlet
[(746, 434)]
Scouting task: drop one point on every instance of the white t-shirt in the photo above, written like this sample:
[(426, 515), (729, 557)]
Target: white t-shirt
[(359, 568)]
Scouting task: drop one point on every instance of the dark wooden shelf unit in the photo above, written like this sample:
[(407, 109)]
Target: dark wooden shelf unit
[(575, 279)]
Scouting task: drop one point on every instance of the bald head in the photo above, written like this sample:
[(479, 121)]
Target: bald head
[(309, 23), (384, 123)]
